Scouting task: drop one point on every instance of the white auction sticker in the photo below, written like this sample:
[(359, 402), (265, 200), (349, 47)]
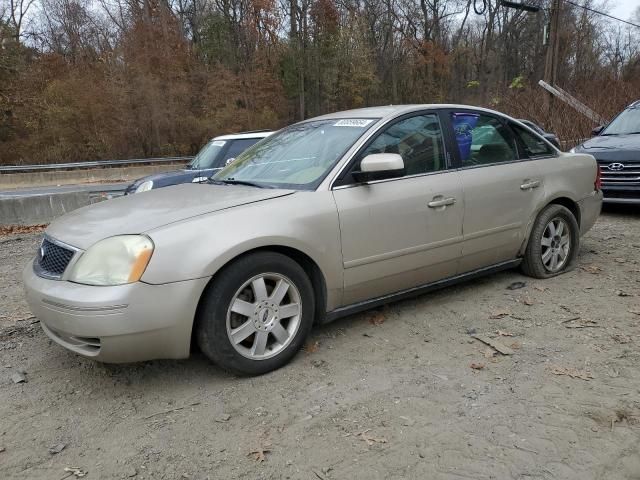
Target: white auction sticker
[(352, 122), (218, 143)]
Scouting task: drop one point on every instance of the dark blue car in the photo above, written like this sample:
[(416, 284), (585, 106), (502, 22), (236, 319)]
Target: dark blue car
[(217, 153)]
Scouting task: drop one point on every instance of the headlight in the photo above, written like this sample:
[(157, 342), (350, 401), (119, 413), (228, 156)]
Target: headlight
[(145, 186), (573, 150), (113, 261)]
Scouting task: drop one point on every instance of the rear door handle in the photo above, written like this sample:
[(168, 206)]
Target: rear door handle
[(529, 184), (439, 201)]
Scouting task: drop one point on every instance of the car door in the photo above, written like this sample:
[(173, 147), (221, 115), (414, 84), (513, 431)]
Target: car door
[(402, 232), (502, 188)]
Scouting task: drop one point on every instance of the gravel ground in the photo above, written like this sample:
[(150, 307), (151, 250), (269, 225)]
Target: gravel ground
[(390, 394)]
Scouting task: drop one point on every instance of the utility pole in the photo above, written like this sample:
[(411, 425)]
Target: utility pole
[(553, 47)]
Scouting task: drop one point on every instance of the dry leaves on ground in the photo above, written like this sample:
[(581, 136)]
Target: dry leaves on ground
[(504, 334), (527, 301), (21, 229), (75, 471), (369, 439), (312, 347), (260, 453), (477, 366), (377, 318), (594, 269), (578, 322), (571, 372), (621, 338), (499, 314)]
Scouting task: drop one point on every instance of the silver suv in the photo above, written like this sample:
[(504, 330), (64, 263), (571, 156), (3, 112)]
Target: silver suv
[(327, 217)]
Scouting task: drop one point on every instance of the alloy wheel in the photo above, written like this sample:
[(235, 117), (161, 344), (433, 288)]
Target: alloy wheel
[(556, 245), (264, 316)]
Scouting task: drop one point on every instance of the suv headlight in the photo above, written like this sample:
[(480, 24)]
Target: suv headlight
[(145, 186), (113, 261)]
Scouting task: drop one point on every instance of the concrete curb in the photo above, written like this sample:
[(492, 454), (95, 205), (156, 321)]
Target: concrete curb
[(37, 209)]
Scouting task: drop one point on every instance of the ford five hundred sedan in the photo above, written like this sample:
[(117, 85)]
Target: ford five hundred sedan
[(325, 218)]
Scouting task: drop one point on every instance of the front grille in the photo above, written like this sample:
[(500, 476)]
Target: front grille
[(620, 173), (52, 259)]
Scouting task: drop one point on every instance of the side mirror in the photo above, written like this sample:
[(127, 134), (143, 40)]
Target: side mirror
[(379, 166), (596, 131)]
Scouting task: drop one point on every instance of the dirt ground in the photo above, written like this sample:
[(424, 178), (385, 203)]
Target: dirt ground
[(383, 395)]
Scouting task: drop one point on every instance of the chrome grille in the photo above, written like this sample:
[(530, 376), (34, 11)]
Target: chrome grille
[(52, 259), (620, 173)]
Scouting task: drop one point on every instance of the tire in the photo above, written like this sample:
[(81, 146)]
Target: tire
[(543, 245), (246, 294)]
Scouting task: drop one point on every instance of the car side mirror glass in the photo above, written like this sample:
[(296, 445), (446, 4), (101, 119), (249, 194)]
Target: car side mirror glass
[(379, 166), (596, 131)]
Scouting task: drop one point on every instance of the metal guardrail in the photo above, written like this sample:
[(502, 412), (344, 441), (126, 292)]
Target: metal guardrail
[(94, 164)]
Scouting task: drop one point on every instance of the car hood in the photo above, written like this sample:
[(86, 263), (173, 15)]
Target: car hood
[(613, 147), (145, 211)]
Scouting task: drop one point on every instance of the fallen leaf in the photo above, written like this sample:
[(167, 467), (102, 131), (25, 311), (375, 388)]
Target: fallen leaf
[(75, 471), (504, 334), (377, 318), (571, 372), (593, 269), (369, 439), (623, 294), (540, 289), (260, 454), (516, 345), (312, 347), (499, 314), (477, 366), (527, 301), (516, 285)]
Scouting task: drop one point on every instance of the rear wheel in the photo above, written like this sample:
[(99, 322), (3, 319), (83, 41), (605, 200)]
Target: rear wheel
[(553, 243), (256, 314)]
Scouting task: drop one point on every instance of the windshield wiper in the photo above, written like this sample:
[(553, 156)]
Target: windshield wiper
[(233, 181)]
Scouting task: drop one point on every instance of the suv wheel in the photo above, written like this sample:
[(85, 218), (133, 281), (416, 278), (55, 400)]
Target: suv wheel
[(256, 314), (553, 243)]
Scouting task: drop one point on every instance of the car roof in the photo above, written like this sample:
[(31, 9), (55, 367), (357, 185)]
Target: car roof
[(243, 135), (395, 110)]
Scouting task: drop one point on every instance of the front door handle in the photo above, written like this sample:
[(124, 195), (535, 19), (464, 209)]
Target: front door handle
[(529, 184), (439, 201)]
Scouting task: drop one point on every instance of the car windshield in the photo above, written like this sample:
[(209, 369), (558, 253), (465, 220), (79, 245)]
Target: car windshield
[(626, 123), (297, 157), (208, 155)]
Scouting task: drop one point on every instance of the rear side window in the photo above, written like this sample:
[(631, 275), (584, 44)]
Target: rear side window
[(533, 145), (483, 139), (236, 148)]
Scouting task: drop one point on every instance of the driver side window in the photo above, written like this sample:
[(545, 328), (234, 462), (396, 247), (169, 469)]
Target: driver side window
[(418, 140)]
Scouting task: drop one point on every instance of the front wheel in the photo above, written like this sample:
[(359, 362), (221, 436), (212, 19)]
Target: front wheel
[(553, 244), (256, 314)]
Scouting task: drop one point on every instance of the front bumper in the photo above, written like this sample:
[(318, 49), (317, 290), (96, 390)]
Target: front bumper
[(590, 208), (124, 323)]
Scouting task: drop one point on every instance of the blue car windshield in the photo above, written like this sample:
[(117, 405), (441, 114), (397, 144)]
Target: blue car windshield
[(297, 157), (626, 123), (208, 156)]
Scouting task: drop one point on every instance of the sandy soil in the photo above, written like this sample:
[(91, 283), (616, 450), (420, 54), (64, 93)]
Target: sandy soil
[(383, 395)]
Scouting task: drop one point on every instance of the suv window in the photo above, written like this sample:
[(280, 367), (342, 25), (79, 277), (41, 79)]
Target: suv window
[(483, 139), (236, 148), (533, 146), (417, 139)]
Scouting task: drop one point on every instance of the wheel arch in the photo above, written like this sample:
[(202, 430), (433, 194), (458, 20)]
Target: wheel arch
[(308, 264), (565, 201)]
